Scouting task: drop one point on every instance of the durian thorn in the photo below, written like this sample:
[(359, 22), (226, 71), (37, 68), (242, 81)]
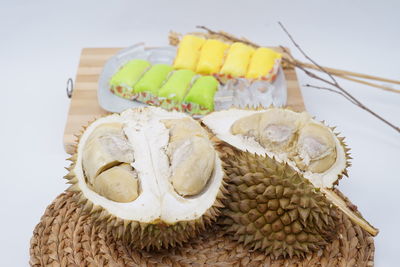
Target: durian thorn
[(338, 201)]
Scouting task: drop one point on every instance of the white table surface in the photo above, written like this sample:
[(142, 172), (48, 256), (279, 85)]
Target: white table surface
[(40, 45)]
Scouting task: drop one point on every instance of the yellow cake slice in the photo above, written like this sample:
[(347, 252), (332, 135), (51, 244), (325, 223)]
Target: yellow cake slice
[(188, 52), (262, 62), (211, 57), (237, 60)]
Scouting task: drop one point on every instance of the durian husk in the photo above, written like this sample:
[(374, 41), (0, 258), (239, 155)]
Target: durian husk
[(146, 236), (227, 151), (338, 135), (66, 236), (273, 208)]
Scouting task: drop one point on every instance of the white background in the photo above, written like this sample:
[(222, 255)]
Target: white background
[(40, 44)]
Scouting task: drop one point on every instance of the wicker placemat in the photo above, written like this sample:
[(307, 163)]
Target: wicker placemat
[(66, 237)]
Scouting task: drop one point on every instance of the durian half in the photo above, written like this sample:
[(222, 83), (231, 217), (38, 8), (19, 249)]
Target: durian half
[(294, 139), (150, 176)]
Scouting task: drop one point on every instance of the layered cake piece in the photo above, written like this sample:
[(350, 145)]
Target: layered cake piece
[(122, 82), (262, 63), (202, 93), (237, 60), (188, 52), (153, 79), (177, 85), (211, 57)]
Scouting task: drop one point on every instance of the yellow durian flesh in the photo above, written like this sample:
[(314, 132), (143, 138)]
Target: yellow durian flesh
[(183, 128), (192, 163), (107, 146), (191, 156), (247, 126), (316, 148), (310, 145), (118, 183), (278, 129)]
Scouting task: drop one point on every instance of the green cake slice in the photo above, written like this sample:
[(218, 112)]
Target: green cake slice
[(202, 92), (177, 85), (153, 79), (123, 81)]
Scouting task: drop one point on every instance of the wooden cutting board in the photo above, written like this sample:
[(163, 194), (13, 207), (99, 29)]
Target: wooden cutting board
[(84, 106)]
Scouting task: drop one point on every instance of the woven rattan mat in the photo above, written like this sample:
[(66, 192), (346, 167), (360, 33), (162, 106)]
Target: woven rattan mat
[(66, 237)]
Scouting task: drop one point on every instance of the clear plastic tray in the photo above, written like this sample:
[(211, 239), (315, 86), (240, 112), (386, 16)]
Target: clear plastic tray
[(236, 92)]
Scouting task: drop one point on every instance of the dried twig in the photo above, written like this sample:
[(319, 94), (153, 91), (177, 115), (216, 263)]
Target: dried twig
[(334, 82), (330, 90)]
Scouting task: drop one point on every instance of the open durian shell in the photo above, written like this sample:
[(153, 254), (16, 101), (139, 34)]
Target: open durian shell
[(128, 225), (244, 128), (229, 146)]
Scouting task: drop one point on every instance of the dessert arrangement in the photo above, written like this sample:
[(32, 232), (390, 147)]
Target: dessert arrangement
[(160, 85), (205, 75), (243, 184)]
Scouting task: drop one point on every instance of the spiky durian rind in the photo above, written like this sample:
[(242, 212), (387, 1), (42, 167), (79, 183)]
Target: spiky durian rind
[(273, 208), (147, 236)]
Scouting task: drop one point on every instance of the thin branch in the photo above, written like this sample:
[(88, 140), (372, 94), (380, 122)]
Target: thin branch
[(330, 90), (351, 73), (335, 83), (304, 53)]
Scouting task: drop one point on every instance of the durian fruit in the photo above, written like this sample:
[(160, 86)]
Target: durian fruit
[(151, 177), (274, 208), (304, 143), (273, 146)]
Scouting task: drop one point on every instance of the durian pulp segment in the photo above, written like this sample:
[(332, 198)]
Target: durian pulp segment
[(105, 148), (157, 200), (191, 154), (283, 128)]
